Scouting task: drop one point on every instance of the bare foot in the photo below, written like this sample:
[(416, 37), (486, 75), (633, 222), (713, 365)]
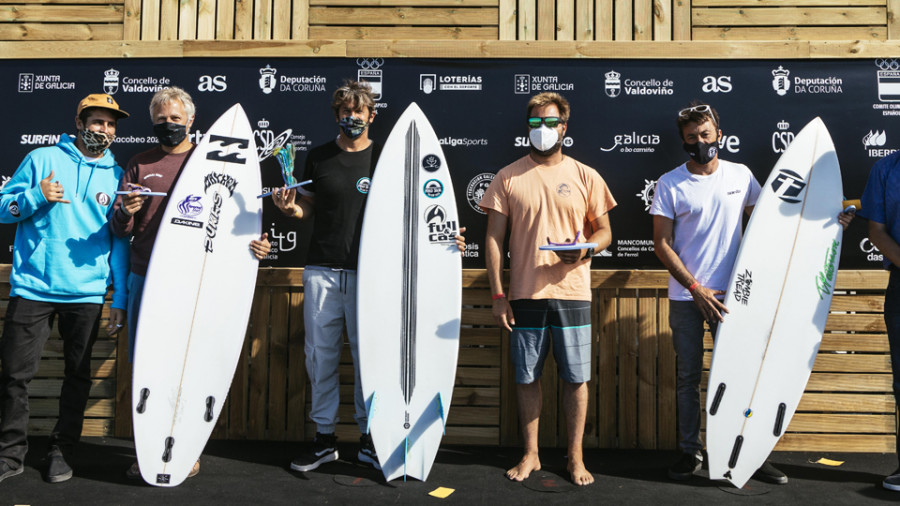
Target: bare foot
[(529, 463), (580, 475)]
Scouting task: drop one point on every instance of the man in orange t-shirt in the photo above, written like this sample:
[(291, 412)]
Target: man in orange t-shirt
[(547, 196)]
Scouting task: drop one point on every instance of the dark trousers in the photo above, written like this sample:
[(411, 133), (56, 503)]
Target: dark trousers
[(687, 322), (892, 321), (25, 331)]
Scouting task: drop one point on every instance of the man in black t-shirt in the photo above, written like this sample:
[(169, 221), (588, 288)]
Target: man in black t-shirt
[(340, 172)]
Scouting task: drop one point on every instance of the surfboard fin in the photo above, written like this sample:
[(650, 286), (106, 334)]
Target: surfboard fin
[(717, 399), (440, 402), (370, 410), (405, 454), (142, 404), (735, 451), (779, 419), (167, 453), (210, 404)]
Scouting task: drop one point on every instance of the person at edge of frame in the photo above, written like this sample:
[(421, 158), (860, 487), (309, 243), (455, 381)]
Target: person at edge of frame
[(61, 199), (340, 171), (172, 113), (706, 197), (881, 207), (547, 195)]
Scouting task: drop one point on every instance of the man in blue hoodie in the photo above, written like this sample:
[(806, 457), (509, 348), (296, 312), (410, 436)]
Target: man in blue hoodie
[(64, 258)]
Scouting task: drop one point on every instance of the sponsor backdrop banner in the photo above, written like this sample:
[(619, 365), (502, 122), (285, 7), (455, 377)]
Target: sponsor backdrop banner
[(622, 121)]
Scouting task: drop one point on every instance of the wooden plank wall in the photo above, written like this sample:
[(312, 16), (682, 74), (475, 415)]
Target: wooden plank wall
[(848, 405), (524, 20), (790, 19), (100, 415)]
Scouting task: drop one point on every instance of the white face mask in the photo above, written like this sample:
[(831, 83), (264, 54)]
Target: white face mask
[(543, 138)]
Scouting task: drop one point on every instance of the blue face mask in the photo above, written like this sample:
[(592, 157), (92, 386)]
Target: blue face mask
[(352, 127)]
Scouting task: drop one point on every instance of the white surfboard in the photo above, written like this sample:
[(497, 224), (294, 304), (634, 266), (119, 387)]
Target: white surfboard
[(778, 302), (196, 301), (409, 298)]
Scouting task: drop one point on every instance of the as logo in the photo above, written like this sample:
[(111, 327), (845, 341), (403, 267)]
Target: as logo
[(713, 84), (788, 185), (212, 83)]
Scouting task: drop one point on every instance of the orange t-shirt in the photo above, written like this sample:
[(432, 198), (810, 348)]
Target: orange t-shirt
[(541, 202)]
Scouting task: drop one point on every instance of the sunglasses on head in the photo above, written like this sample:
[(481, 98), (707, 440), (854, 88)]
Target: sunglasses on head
[(697, 108), (551, 122)]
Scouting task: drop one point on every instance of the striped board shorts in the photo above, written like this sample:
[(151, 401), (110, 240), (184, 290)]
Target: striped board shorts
[(567, 322)]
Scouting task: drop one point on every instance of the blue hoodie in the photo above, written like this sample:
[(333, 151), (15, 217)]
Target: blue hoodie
[(65, 252)]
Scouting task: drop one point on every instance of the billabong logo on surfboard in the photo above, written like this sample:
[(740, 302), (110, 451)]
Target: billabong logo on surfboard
[(788, 185), (226, 142)]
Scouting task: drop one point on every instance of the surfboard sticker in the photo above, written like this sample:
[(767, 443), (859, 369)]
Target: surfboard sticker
[(778, 300), (196, 301), (409, 298)]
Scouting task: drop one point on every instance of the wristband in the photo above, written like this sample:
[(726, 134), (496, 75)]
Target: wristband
[(694, 286), (498, 296)]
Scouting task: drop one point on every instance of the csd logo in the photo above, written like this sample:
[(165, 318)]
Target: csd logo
[(212, 83), (713, 84)]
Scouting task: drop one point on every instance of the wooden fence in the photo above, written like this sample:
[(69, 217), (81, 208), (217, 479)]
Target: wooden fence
[(848, 405), (524, 20)]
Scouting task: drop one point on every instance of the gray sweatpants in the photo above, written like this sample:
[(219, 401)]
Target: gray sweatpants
[(329, 304)]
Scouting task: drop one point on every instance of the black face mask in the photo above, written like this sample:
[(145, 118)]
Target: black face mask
[(170, 134), (702, 152)]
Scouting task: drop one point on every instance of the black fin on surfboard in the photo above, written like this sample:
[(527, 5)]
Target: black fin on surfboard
[(720, 391), (779, 419), (142, 404), (167, 453), (738, 441), (210, 403)]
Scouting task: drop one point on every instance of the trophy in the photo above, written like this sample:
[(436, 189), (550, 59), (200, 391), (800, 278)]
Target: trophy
[(285, 156)]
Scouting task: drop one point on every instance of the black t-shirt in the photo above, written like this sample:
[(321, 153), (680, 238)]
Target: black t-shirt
[(340, 184)]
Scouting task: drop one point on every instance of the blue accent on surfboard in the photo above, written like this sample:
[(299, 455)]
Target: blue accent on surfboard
[(405, 453), (551, 326), (441, 413), (370, 410)]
